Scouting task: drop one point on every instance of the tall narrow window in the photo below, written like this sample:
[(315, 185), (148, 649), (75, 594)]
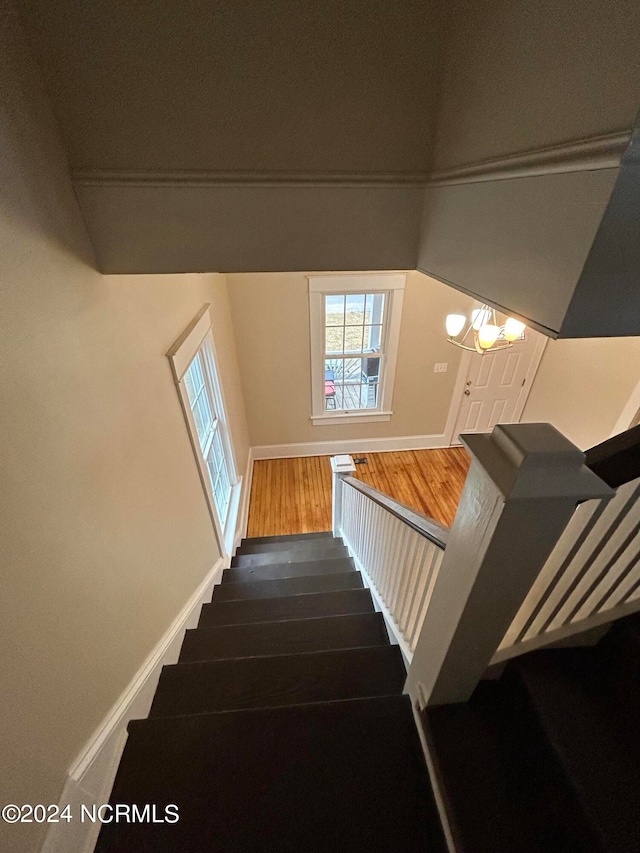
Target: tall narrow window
[(193, 362), (354, 338), (210, 428)]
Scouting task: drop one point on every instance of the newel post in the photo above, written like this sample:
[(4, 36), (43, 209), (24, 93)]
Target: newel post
[(340, 465), (522, 488)]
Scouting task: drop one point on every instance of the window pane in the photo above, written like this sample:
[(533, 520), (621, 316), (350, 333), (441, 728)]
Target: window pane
[(188, 381), (355, 309), (370, 400), (334, 339), (193, 380), (375, 308), (371, 370), (200, 429), (330, 383), (351, 383), (206, 418), (353, 339), (372, 339), (334, 310)]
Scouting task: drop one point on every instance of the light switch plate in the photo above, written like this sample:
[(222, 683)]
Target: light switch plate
[(441, 367)]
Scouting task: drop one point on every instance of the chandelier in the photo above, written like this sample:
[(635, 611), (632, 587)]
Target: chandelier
[(483, 331)]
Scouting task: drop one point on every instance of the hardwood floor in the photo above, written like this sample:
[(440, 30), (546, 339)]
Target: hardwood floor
[(294, 495)]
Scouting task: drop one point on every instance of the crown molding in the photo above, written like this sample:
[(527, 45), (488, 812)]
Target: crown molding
[(597, 152), (186, 178), (594, 153)]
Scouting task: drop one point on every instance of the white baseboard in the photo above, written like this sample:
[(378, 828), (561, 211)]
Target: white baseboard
[(91, 776), (353, 445)]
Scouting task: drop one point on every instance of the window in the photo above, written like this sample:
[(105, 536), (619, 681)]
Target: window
[(355, 323), (194, 367), (210, 429)]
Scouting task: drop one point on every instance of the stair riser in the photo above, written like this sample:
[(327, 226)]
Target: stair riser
[(278, 681), (292, 607), (302, 555), (301, 545), (287, 586), (293, 537), (284, 638), (287, 570)]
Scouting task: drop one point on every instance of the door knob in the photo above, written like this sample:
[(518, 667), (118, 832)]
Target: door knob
[(467, 392)]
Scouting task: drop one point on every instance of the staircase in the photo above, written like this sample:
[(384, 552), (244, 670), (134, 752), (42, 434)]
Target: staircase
[(547, 758), (283, 726)]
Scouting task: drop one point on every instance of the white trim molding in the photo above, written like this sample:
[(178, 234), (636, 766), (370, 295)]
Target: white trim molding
[(356, 282), (185, 348), (363, 417), (352, 445), (90, 777)]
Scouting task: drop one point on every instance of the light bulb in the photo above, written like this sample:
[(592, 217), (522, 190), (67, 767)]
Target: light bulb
[(513, 329), (488, 335), (455, 324)]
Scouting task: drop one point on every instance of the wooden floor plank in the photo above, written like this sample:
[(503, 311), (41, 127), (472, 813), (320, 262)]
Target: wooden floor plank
[(294, 495)]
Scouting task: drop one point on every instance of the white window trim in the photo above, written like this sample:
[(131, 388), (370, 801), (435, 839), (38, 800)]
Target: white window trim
[(319, 285), (180, 356)]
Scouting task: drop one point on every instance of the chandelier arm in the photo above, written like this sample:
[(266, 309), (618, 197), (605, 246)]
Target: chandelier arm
[(461, 346)]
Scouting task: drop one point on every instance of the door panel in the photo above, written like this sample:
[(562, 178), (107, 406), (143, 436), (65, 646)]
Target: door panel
[(493, 386)]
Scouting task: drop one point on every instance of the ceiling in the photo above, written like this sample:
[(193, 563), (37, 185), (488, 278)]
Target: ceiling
[(478, 142), (311, 87)]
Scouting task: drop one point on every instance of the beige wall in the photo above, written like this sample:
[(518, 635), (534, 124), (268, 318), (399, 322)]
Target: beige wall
[(105, 528), (271, 321), (583, 385)]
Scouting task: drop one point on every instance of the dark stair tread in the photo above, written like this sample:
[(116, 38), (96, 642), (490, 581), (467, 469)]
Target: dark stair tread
[(295, 545), (625, 634), (288, 570), (617, 678), (504, 787), (290, 607), (191, 688), (274, 638), (290, 537), (317, 778), (577, 714), (280, 587), (326, 551)]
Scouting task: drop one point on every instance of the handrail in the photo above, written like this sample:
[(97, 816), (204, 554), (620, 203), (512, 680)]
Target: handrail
[(428, 527), (616, 460)]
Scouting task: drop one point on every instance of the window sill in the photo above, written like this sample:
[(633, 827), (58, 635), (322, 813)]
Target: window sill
[(350, 418)]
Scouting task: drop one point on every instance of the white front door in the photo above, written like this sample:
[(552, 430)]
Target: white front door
[(494, 391)]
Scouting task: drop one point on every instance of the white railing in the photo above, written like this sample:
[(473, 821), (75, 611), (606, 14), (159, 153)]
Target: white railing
[(542, 548), (399, 552), (591, 578), (346, 369)]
